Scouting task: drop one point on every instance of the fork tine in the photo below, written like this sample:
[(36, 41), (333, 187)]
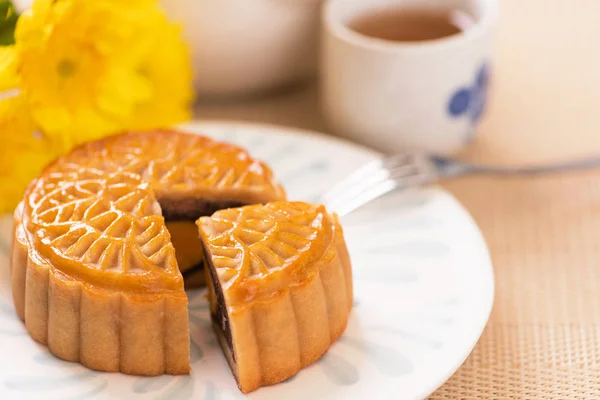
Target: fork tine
[(352, 204), (355, 176), (343, 206), (350, 196), (407, 170), (402, 171), (358, 185), (367, 171)]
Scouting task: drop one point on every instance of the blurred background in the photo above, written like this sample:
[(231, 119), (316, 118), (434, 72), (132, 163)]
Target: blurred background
[(546, 87)]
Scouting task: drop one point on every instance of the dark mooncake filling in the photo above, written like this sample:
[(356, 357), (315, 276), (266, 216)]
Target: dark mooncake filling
[(198, 268), (193, 278), (190, 209), (220, 316)]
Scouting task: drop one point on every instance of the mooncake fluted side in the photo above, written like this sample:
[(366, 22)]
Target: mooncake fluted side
[(102, 329), (274, 339)]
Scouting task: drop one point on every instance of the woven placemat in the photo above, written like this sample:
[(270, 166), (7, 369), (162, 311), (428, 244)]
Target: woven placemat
[(543, 337)]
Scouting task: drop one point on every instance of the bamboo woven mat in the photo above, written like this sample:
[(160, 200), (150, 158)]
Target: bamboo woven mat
[(543, 337)]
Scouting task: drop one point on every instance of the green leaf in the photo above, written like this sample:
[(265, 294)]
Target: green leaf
[(8, 20)]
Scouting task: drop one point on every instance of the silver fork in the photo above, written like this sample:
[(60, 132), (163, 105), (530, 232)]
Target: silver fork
[(407, 170)]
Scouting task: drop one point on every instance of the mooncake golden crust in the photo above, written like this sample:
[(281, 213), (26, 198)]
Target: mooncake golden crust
[(284, 277), (94, 273), (180, 166)]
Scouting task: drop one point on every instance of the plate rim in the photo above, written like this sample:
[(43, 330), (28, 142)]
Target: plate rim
[(284, 130)]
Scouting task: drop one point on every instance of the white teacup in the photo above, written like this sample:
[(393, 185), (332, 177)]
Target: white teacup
[(392, 95)]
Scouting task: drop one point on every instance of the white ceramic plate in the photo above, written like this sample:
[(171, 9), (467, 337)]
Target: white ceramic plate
[(423, 284)]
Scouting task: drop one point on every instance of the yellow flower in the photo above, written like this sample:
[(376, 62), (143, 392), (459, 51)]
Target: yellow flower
[(92, 68), (81, 70), (24, 151)]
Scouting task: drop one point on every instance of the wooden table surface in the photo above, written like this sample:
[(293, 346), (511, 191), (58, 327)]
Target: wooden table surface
[(543, 338)]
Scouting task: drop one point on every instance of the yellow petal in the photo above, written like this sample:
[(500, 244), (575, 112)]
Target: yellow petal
[(121, 90), (9, 79), (24, 151)]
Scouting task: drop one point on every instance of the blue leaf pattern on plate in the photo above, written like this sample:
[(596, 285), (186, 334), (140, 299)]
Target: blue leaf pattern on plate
[(339, 370), (145, 385), (405, 334), (42, 383), (183, 389), (90, 394), (48, 358), (385, 275), (388, 360)]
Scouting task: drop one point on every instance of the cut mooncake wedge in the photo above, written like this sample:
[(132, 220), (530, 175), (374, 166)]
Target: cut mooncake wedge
[(94, 270), (280, 287)]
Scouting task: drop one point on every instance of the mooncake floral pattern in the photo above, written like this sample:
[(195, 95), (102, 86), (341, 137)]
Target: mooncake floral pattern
[(404, 247)]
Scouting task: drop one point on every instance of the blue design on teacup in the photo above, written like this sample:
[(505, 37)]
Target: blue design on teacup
[(471, 100)]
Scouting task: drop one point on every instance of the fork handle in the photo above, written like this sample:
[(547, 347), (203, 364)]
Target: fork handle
[(450, 168)]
